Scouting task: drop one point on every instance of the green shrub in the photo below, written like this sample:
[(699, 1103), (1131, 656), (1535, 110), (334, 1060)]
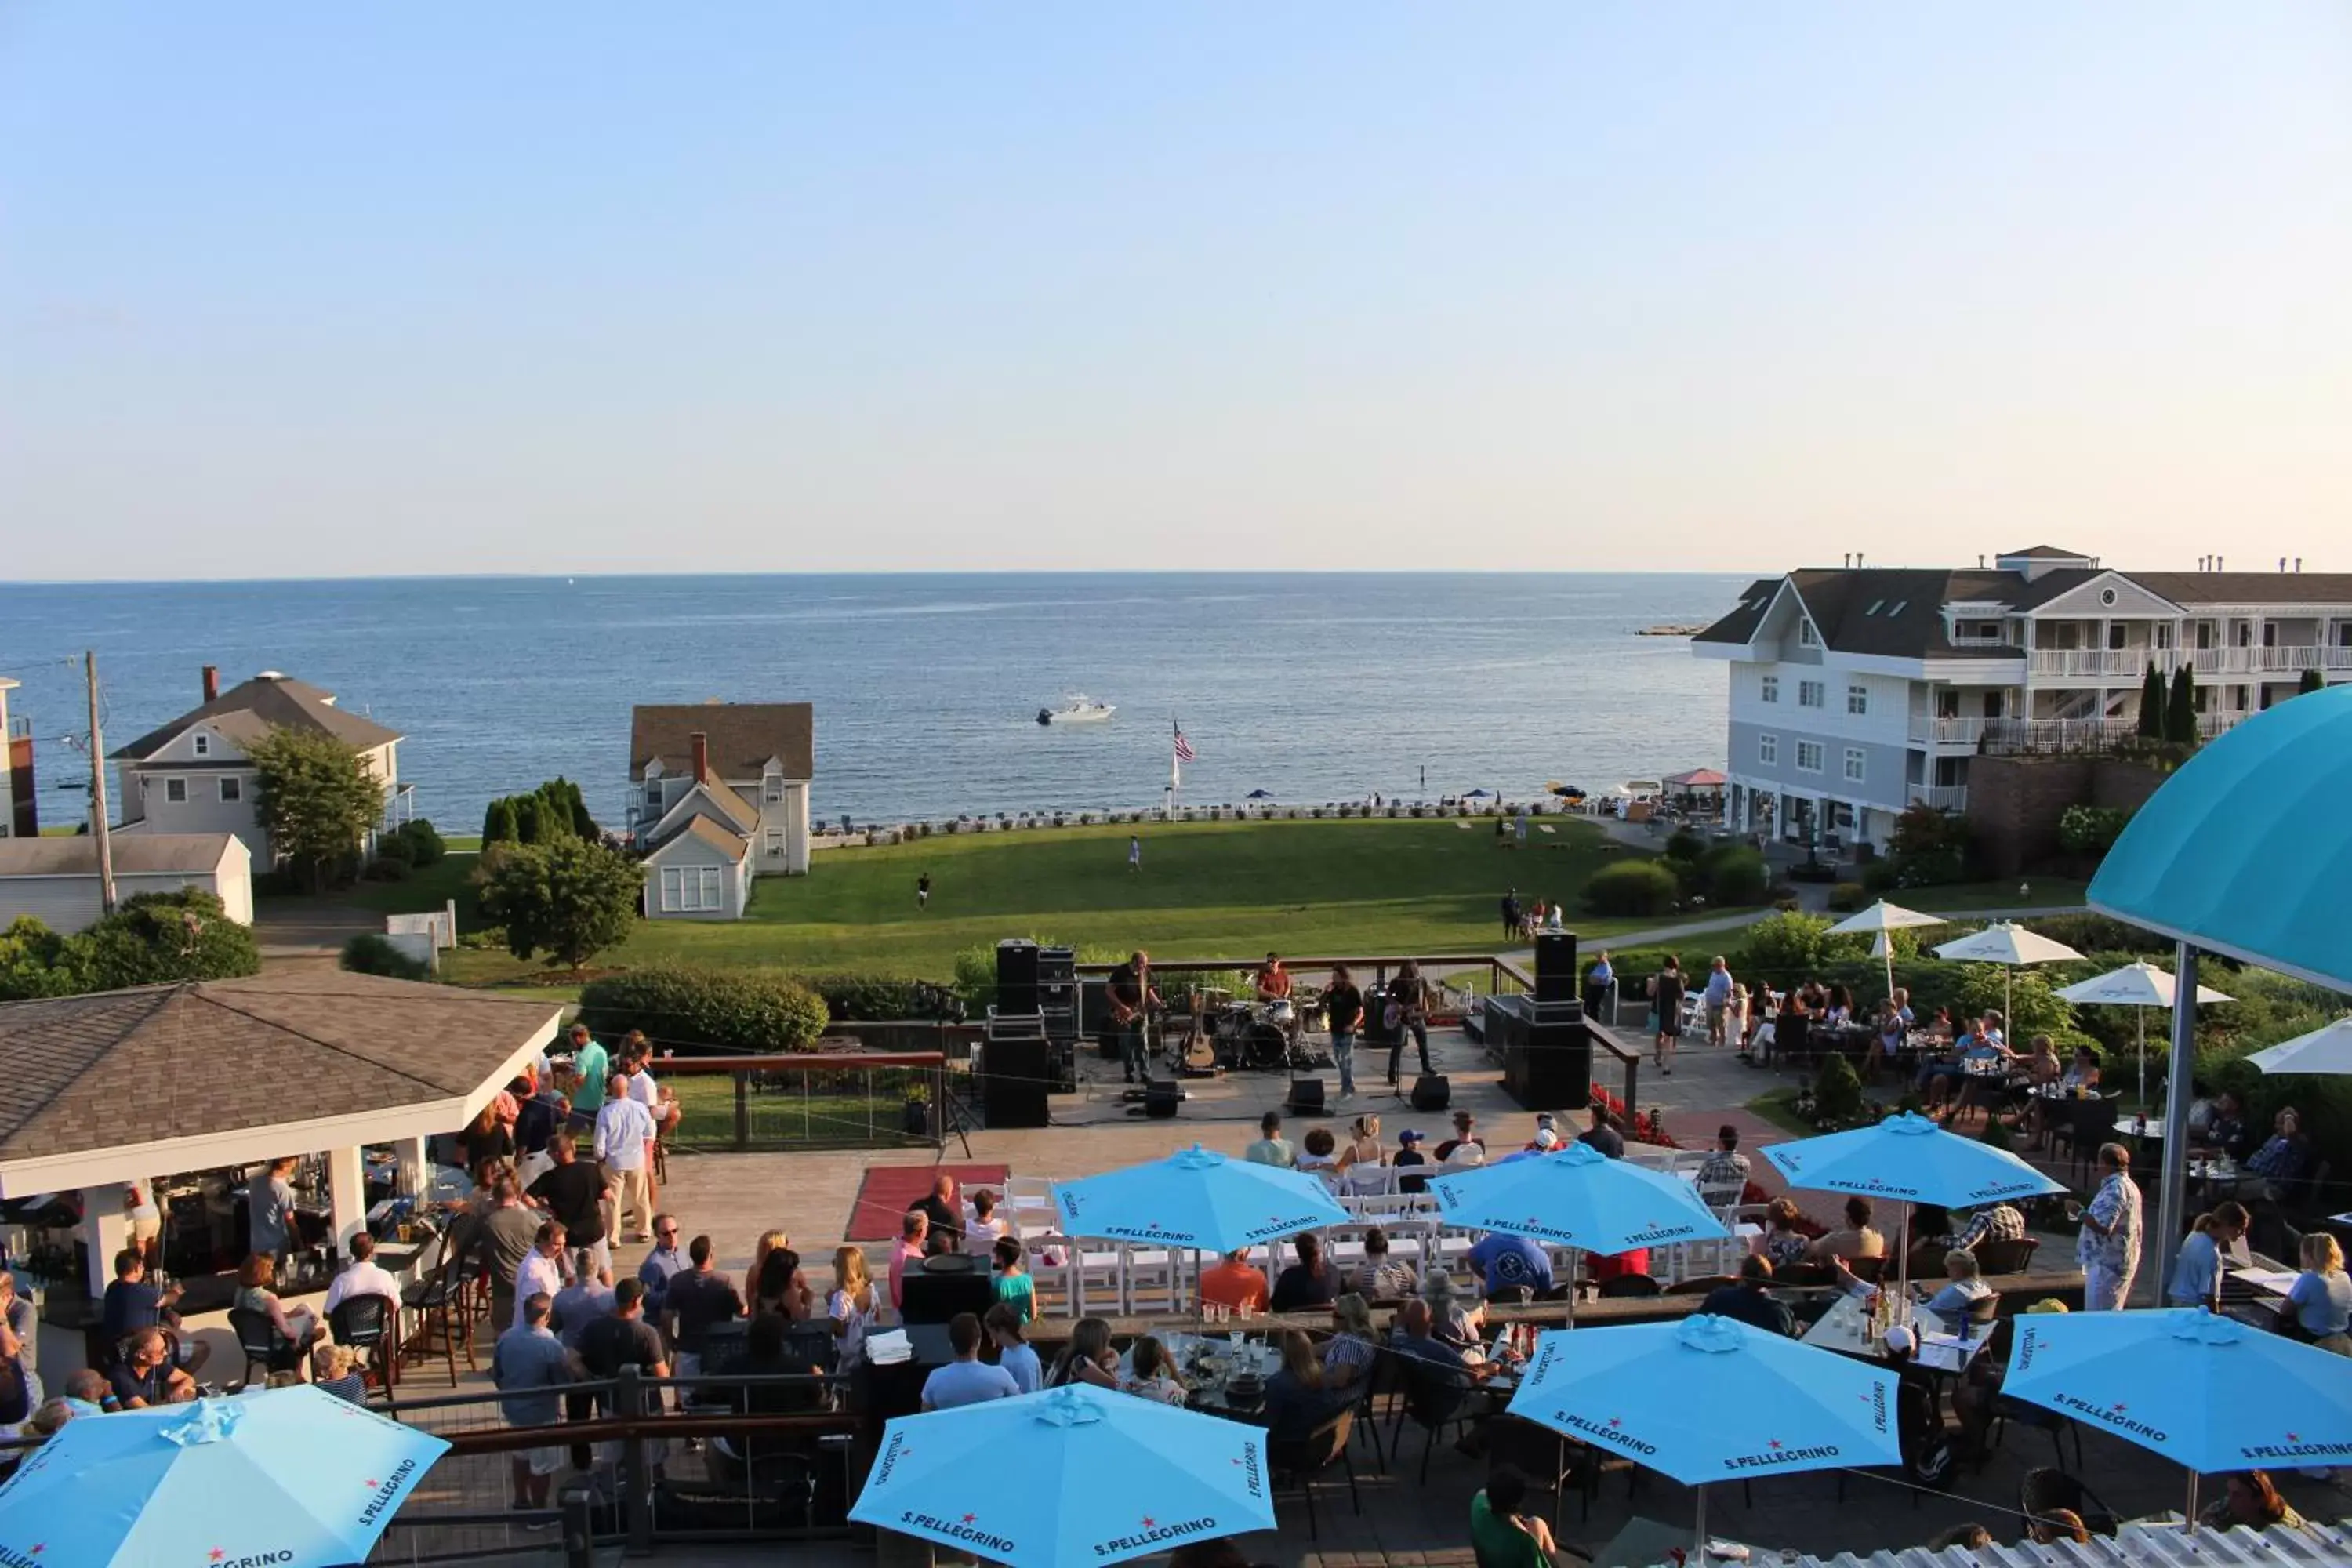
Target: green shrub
[(746, 1010), (2091, 829), (1881, 877), (424, 844), (1837, 1093), (1996, 1134), (1847, 898), (1685, 845), (1735, 874), (2025, 994), (383, 869), (394, 847), (867, 998), (1632, 888), (2180, 709), (1786, 944), (370, 953), (498, 826), (1929, 847), (159, 939)]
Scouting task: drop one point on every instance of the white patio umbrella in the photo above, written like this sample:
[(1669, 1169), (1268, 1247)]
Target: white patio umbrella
[(2009, 944), (2138, 987), (2327, 1050), (1879, 920)]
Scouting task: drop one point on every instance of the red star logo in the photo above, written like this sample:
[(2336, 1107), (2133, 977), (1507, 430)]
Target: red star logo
[(2119, 1405), (2292, 1438), (969, 1517), (1148, 1521), (1776, 1442), (1613, 1421), (38, 1550), (219, 1555), (371, 1483)]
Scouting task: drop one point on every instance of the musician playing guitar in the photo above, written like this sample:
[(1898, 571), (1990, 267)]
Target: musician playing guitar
[(1408, 1014), (1132, 1001)]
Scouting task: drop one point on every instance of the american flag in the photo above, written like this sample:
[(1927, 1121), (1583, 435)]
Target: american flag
[(1183, 746)]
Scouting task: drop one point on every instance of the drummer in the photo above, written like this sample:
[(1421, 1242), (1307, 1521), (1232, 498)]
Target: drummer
[(1273, 984)]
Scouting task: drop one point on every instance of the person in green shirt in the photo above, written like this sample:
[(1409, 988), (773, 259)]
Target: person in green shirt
[(591, 1067), (1502, 1536), (1011, 1283)]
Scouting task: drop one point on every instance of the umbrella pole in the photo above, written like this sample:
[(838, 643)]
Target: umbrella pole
[(2140, 1014), (1698, 1553), (2189, 1520)]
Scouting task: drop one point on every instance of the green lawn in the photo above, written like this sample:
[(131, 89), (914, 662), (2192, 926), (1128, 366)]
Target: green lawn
[(2039, 892), (1222, 889)]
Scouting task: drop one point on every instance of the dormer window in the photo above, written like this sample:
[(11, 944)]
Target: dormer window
[(204, 744), (1806, 635), (772, 788), (652, 794)]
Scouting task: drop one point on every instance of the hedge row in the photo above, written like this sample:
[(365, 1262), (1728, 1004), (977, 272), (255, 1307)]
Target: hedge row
[(718, 1011)]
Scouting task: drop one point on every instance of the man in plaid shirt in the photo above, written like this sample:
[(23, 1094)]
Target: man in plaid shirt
[(1723, 1175), (1994, 1221)]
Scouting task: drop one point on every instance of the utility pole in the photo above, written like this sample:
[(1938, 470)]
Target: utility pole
[(97, 790)]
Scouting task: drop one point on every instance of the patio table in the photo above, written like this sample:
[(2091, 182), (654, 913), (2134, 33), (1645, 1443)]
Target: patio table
[(1944, 1347)]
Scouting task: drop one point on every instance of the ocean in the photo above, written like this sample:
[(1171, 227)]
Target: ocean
[(1311, 686)]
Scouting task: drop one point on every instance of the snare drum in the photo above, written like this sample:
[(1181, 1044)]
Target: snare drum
[(1281, 1011)]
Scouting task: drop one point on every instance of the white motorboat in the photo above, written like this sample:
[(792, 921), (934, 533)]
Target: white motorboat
[(1078, 708)]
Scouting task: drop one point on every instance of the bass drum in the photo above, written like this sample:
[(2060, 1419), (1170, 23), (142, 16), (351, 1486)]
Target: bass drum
[(1265, 1045)]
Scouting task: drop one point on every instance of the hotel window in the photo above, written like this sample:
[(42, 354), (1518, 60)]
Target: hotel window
[(1809, 756), (204, 744), (776, 842), (772, 788), (1857, 700), (1856, 762), (653, 795), (176, 791), (232, 790), (1810, 693), (1806, 635), (1772, 691), (689, 889), (1767, 750)]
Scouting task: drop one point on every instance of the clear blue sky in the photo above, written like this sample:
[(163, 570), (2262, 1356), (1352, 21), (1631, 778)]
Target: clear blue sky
[(329, 290)]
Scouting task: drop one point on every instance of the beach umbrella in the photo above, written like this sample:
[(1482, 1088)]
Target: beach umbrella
[(1577, 1197), (1879, 920), (1913, 1161), (1710, 1399), (1197, 1198), (294, 1477), (2009, 944), (2325, 1050), (2203, 1391), (2138, 987), (1076, 1474)]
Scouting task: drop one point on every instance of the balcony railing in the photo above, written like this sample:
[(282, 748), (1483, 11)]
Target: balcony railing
[(1961, 732), (2105, 663), (2053, 737), (1943, 797)]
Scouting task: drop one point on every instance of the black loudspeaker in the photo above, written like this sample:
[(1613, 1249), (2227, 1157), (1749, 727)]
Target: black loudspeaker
[(1162, 1096), (1556, 966), (1305, 1097), (1016, 977), (1017, 1073), (1432, 1092), (944, 1286)]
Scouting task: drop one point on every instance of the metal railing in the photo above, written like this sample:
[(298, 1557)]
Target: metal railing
[(1943, 797), (867, 1100), (2133, 662)]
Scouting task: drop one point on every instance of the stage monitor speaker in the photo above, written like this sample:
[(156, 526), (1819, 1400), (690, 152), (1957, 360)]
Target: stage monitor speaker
[(1016, 976), (1306, 1098), (949, 1283), (1432, 1092), (1017, 1073), (1555, 966), (1162, 1096)]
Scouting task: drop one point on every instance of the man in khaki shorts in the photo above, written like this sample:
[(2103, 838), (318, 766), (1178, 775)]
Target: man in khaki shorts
[(1718, 998)]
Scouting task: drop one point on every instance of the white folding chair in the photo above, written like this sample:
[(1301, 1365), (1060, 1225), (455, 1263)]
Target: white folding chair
[(1055, 1281)]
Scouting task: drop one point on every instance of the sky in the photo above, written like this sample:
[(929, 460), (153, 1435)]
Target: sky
[(441, 287)]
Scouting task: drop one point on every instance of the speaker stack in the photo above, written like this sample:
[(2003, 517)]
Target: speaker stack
[(1161, 1096), (1016, 1056), (1306, 1098), (1057, 1001), (940, 1287)]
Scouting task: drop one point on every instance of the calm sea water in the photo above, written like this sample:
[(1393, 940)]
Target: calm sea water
[(1312, 687)]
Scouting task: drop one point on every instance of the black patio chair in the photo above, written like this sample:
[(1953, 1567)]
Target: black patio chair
[(2044, 1492), (1298, 1462), (258, 1340), (365, 1324)]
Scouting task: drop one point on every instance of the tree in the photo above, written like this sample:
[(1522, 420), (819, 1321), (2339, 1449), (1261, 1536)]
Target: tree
[(2151, 703), (318, 799), (32, 961), (161, 938), (2180, 713), (527, 825), (499, 823), (571, 899), (2312, 681)]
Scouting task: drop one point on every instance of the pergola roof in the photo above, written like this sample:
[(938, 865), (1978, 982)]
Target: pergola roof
[(125, 1085)]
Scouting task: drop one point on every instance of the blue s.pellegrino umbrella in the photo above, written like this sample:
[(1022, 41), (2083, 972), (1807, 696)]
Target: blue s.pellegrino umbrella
[(1576, 1198), (2203, 1391), (1197, 1198), (1912, 1159), (1708, 1399), (294, 1477), (1076, 1474)]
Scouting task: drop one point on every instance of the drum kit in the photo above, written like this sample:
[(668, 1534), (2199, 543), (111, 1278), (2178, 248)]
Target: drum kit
[(1257, 1035)]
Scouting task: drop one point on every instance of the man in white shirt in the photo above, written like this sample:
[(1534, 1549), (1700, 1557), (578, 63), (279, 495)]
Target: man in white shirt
[(543, 1270), (625, 1136), (365, 1277)]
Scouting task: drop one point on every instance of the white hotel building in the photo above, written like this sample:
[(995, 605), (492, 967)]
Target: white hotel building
[(1858, 691)]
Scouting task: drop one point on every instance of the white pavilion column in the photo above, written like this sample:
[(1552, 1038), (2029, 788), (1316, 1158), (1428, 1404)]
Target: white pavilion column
[(347, 1190), (106, 1230), (411, 1166)]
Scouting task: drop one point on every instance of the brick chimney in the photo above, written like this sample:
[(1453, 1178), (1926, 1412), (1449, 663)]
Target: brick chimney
[(212, 682), (701, 744)]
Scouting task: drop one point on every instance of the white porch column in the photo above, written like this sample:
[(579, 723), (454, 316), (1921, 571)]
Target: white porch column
[(107, 1231), (411, 1168), (347, 1190)]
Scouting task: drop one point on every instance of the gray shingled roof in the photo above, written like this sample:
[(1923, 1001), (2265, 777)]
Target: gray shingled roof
[(249, 710), (2187, 588), (743, 737), (135, 854), (126, 1067), (1741, 622)]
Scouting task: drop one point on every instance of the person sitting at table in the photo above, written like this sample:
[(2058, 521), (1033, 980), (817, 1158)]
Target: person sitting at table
[(2053, 1525), (1297, 1397), (1309, 1282), (2225, 1130), (1856, 1238), (1409, 1162), (2201, 1110), (1840, 1011), (1750, 1300), (362, 1276), (2248, 1498), (146, 1377), (1503, 1533), (335, 1369), (256, 1292), (1784, 1243), (1379, 1277), (134, 1301), (1510, 1266), (1233, 1285), (1087, 1358), (2281, 1162), (1942, 1026), (1354, 1346), (1885, 1047), (1458, 1312), (2319, 1303), (2083, 1072), (1991, 1222), (2197, 1270), (1150, 1374), (1931, 1226), (1983, 1077), (1963, 1288)]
